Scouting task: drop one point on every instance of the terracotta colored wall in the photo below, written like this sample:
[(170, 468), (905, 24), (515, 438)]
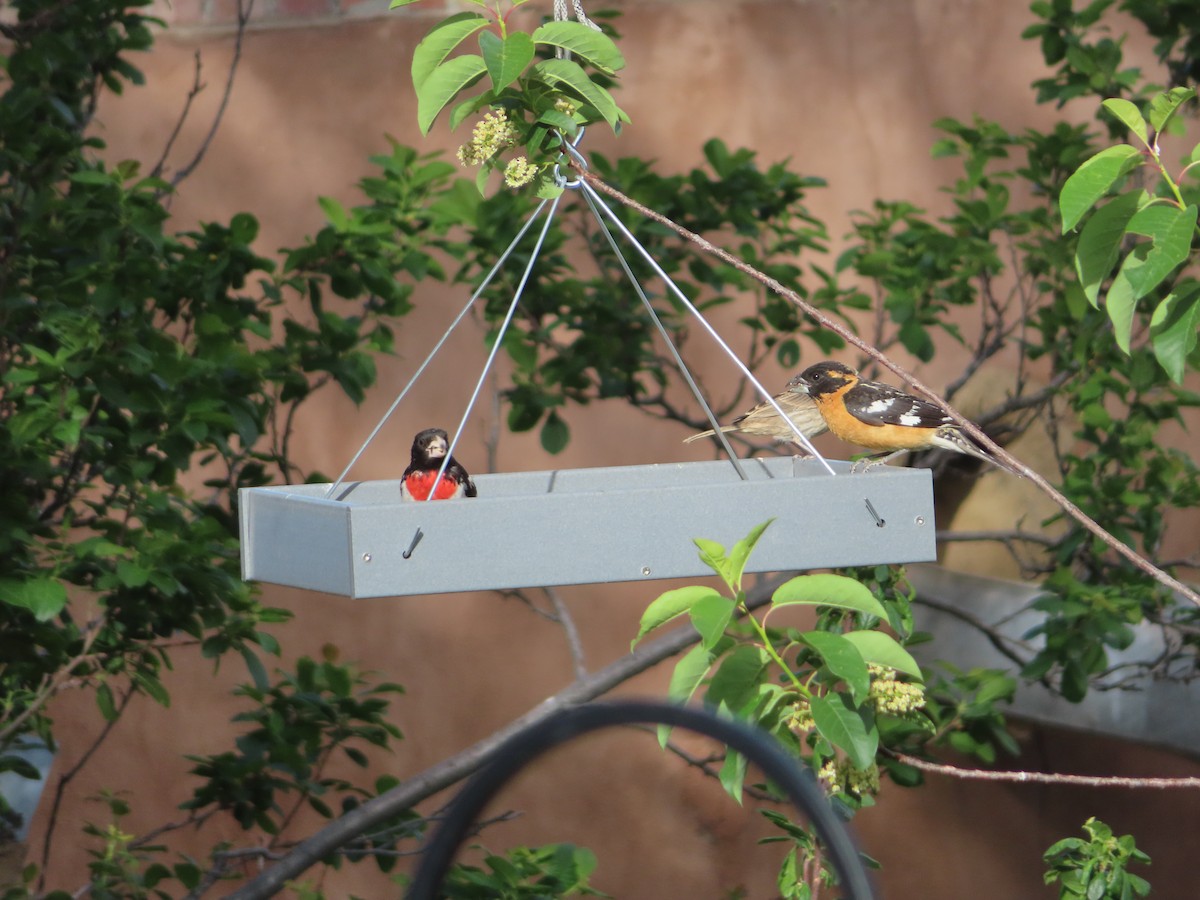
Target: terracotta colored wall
[(847, 90)]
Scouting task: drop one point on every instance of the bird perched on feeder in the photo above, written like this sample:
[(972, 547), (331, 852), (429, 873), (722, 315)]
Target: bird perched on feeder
[(429, 448), (763, 421), (881, 417)]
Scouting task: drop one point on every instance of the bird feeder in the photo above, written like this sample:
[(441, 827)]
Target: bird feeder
[(577, 526)]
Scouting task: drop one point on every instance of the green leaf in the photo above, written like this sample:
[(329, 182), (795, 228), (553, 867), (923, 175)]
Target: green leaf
[(1173, 329), (669, 605), (594, 46), (439, 43), (1170, 230), (1164, 106), (736, 680), (106, 702), (45, 597), (1100, 242), (837, 591), (712, 555), (1121, 300), (883, 650), (254, 666), (710, 616), (689, 672), (1130, 115), (1148, 265), (561, 72), (443, 84), (506, 58), (846, 727), (561, 121), (1093, 180), (334, 212), (741, 552), (733, 774), (843, 659), (555, 434)]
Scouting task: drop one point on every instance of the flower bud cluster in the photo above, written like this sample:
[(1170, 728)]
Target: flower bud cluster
[(491, 134), (895, 698), (841, 775), (800, 719), (519, 172)]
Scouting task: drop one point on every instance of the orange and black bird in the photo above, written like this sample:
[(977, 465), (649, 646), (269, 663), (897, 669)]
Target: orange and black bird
[(763, 421), (881, 417), (428, 450)]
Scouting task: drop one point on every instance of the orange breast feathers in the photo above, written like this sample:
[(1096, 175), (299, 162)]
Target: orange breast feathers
[(879, 435)]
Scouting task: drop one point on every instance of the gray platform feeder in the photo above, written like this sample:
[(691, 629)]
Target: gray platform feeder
[(583, 526)]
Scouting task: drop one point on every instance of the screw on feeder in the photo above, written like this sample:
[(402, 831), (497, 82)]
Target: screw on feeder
[(413, 546), (879, 521)]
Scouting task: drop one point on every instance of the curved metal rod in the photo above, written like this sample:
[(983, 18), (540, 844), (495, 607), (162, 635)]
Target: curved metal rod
[(758, 747)]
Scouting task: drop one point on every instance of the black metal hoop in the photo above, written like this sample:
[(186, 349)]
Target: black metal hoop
[(758, 747)]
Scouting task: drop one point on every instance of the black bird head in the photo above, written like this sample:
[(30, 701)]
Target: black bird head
[(825, 378), (429, 448)]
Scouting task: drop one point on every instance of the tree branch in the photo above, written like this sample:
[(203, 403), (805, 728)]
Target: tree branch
[(1006, 459), (455, 768), (1096, 781)]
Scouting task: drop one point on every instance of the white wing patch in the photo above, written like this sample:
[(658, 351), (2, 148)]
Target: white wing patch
[(896, 407)]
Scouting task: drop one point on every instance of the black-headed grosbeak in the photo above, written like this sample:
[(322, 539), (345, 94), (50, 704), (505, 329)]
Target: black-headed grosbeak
[(763, 421), (428, 450), (880, 417)]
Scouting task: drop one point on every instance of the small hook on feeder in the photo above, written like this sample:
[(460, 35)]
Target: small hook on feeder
[(413, 546), (879, 521)]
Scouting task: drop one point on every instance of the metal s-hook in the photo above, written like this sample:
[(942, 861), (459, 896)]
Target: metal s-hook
[(572, 150)]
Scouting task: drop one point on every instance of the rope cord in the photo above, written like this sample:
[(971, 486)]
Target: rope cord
[(438, 346)]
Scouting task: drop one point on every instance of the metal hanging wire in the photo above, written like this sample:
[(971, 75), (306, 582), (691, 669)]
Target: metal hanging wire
[(596, 201), (603, 215)]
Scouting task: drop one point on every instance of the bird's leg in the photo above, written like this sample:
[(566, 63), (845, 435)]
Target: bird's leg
[(870, 462)]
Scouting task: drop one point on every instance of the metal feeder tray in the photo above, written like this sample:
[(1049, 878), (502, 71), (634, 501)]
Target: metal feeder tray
[(582, 526)]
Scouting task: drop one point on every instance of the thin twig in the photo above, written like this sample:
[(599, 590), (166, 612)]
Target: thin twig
[(197, 87), (1006, 459), (567, 621), (66, 778), (1095, 781), (244, 9)]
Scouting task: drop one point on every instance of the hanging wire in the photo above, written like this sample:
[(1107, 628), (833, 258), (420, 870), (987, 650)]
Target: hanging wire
[(662, 330), (512, 308), (589, 191), (438, 346)]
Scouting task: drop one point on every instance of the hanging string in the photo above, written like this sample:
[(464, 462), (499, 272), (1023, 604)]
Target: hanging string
[(512, 308), (438, 346)]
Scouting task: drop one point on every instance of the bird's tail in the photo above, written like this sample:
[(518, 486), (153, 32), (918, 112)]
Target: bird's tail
[(951, 437), (709, 433)]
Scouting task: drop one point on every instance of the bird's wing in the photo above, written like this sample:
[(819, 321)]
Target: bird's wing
[(879, 404)]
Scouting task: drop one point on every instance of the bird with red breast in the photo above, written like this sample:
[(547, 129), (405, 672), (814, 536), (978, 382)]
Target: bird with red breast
[(429, 449)]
